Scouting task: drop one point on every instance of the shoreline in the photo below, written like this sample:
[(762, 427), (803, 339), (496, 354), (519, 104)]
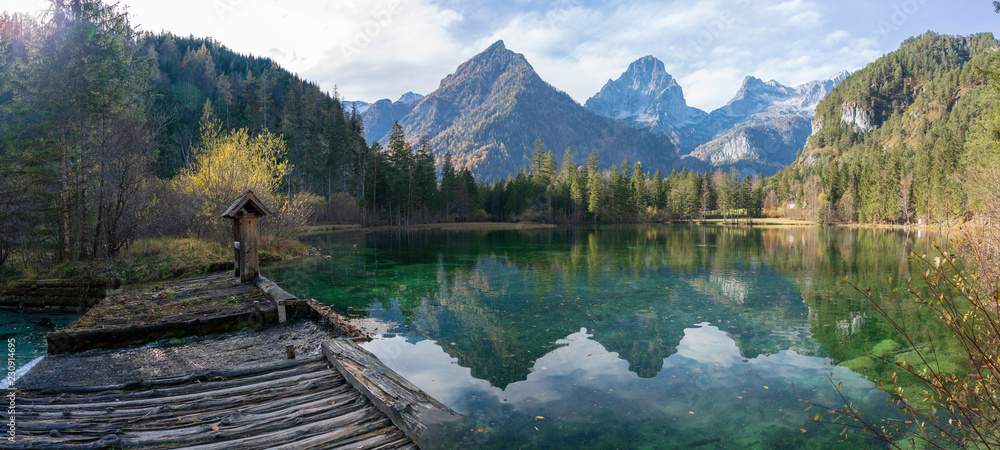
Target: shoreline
[(447, 226), (502, 226)]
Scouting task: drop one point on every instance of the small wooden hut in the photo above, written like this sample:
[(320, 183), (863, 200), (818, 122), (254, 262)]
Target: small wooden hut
[(245, 212)]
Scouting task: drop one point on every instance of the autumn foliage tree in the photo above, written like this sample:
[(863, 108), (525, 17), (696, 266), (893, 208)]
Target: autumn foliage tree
[(227, 164)]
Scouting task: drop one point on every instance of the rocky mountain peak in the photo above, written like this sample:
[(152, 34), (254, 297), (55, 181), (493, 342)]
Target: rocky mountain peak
[(410, 97), (645, 95), (497, 46), (488, 66), (774, 99)]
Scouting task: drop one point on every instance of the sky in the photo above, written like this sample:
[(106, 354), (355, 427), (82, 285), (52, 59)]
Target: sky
[(374, 49)]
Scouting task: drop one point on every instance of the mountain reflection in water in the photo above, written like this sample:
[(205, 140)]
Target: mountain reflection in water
[(622, 337)]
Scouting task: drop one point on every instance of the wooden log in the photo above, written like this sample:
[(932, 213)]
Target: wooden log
[(273, 292), (57, 291), (43, 302), (150, 398), (326, 392), (388, 437), (234, 425), (411, 409), (358, 422), (68, 341), (326, 315), (310, 405), (259, 373), (111, 283)]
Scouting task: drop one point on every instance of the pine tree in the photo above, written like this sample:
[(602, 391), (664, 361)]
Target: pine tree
[(595, 185), (449, 184), (638, 190)]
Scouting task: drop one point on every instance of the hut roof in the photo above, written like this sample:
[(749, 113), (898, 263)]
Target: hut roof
[(248, 202)]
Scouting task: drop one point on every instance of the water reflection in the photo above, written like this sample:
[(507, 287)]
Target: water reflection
[(623, 337), (581, 384)]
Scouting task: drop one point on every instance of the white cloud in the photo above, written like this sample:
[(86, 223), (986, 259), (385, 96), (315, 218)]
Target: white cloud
[(711, 88), (710, 45), (30, 7), (390, 47), (836, 37), (806, 19), (789, 7)]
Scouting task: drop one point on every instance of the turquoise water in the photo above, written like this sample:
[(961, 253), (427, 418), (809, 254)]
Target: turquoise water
[(28, 332), (623, 337)]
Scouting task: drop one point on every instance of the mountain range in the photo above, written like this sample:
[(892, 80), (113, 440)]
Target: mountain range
[(759, 131), (488, 113)]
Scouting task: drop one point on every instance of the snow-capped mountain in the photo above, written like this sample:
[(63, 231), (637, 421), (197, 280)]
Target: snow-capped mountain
[(645, 96), (759, 130)]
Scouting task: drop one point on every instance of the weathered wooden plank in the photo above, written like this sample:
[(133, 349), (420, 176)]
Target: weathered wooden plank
[(65, 342), (411, 409), (335, 429), (310, 422), (303, 365), (96, 282), (234, 426), (57, 291), (305, 403), (372, 439), (272, 290), (250, 407), (150, 398), (338, 392)]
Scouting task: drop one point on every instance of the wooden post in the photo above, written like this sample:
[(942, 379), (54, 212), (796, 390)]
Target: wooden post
[(245, 212), (250, 244), (236, 246)]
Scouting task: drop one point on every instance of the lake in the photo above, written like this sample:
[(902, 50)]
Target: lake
[(27, 331), (627, 336)]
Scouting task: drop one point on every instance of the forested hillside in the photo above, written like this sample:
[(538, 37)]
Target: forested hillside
[(108, 134), (195, 77), (488, 113), (896, 141), (104, 128)]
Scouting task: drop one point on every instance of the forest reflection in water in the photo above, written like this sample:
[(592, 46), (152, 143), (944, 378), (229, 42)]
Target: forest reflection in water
[(667, 326)]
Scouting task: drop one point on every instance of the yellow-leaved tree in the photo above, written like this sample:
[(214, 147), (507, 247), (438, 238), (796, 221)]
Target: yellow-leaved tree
[(227, 164)]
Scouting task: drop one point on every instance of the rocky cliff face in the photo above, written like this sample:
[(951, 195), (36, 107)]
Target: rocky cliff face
[(853, 114), (773, 99), (758, 148), (762, 127), (379, 116), (358, 105), (645, 96), (490, 111)]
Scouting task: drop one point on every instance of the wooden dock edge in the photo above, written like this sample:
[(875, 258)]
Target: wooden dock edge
[(289, 306), (409, 408), (76, 341), (56, 296)]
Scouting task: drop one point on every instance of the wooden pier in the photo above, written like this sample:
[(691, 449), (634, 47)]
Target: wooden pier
[(342, 398), (304, 403)]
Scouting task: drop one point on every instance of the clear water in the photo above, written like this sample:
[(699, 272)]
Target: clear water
[(28, 332), (623, 337)]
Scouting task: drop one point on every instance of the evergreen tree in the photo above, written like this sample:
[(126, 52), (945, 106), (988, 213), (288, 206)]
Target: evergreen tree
[(638, 190), (595, 186)]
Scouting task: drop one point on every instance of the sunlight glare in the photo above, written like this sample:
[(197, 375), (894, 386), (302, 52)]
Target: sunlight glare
[(31, 7)]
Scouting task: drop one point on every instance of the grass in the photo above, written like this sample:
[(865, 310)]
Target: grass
[(761, 221), (162, 258), (150, 260)]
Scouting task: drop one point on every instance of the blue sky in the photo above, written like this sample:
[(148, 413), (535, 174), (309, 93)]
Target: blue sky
[(372, 49)]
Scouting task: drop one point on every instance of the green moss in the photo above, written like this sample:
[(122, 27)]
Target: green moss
[(941, 364), (862, 365), (886, 347)]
